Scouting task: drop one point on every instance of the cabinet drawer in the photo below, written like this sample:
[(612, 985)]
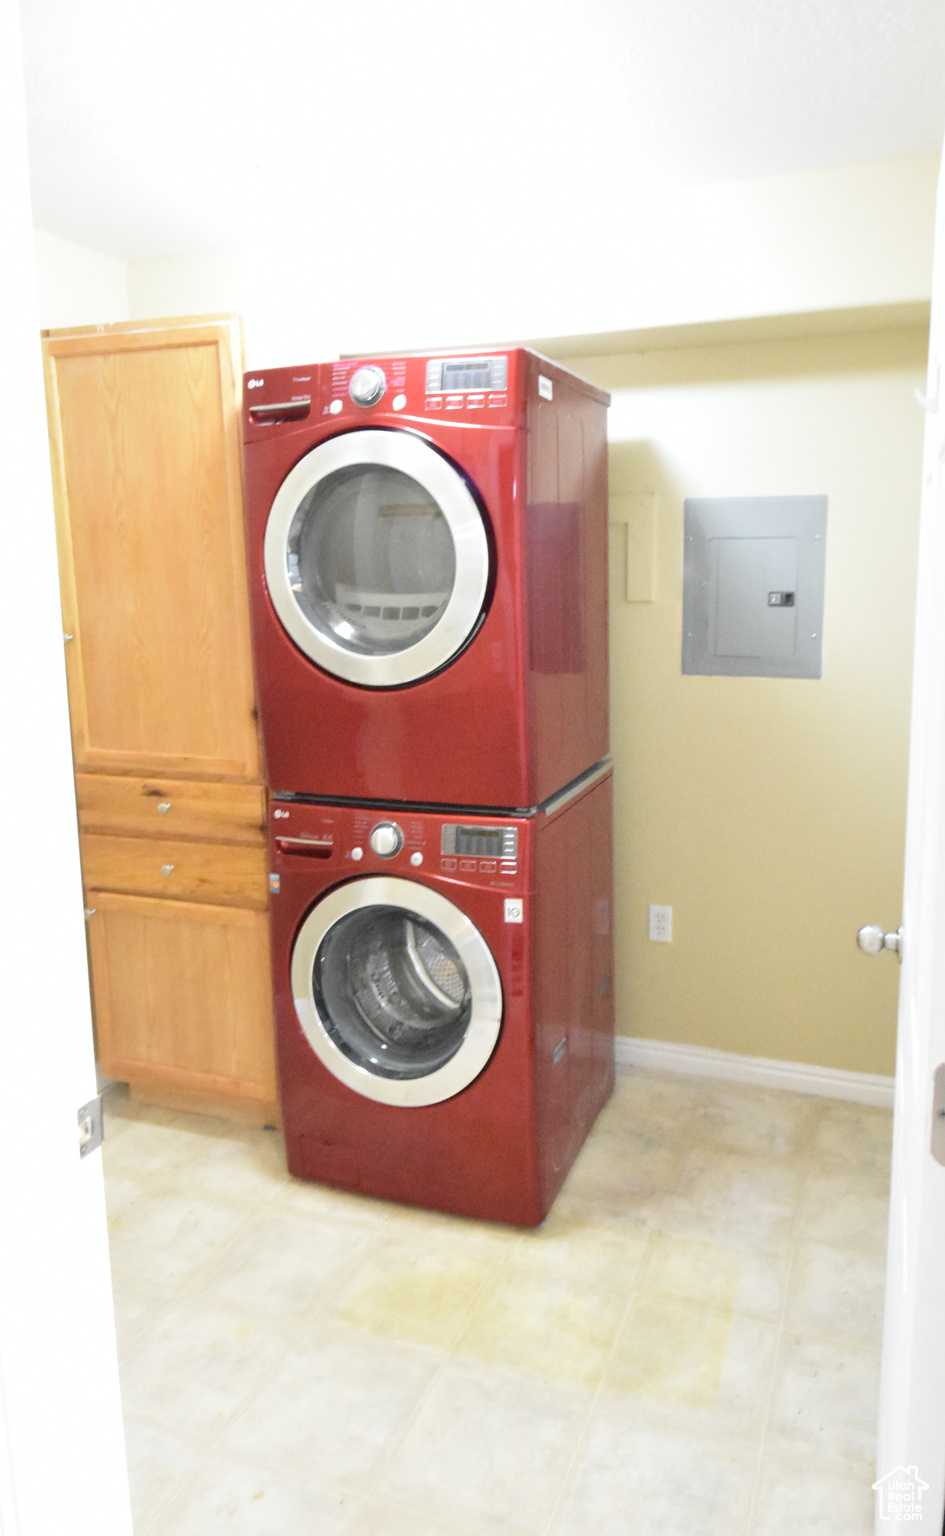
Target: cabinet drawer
[(171, 807), (229, 874)]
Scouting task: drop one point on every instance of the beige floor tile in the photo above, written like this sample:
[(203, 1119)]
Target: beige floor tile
[(239, 1162), (605, 1255), (200, 1363), (718, 1269), (859, 1134), (636, 1479), (233, 1494), (551, 1326), (739, 1189), (837, 1293), (615, 1175), (825, 1401), (433, 1231), (488, 1447), (150, 1152), (138, 1307), (653, 1104), (159, 1462), (847, 1207), (763, 1120), (379, 1517), (283, 1266), (169, 1237), (313, 1201), (798, 1495), (403, 1291), (334, 1405), (703, 1368)]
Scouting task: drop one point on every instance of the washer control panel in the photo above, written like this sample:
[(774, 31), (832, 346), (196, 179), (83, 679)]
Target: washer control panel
[(367, 385), (386, 839), (466, 375), (477, 842)]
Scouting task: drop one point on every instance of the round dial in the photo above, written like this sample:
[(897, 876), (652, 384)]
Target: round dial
[(367, 385), (387, 839)]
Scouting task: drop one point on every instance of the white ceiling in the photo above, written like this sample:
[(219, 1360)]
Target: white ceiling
[(201, 124)]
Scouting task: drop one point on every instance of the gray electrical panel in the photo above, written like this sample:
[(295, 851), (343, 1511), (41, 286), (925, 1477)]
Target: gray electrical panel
[(753, 585)]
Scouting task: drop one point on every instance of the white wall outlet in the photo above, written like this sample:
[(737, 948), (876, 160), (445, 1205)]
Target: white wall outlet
[(661, 924)]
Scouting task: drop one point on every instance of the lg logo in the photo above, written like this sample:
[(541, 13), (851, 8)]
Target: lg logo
[(280, 813), (255, 383)]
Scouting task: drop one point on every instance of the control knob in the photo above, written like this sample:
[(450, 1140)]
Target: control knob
[(367, 385), (386, 839)]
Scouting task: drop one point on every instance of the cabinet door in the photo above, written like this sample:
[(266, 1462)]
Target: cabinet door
[(183, 996), (144, 435)]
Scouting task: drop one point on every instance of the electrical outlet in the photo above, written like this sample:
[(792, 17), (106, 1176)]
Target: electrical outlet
[(661, 924)]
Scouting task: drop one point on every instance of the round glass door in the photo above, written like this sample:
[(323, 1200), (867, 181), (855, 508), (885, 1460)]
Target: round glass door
[(376, 558), (396, 991)]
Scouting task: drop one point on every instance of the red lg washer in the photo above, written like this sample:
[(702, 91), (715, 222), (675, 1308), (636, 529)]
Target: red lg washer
[(428, 572), (443, 998)]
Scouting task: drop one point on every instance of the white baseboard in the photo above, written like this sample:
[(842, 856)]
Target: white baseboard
[(794, 1076)]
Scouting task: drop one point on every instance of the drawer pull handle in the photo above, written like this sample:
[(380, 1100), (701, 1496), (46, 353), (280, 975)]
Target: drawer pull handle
[(167, 869), (163, 807)]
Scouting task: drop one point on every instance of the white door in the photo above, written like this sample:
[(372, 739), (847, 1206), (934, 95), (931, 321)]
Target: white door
[(62, 1463), (376, 558), (911, 1451)]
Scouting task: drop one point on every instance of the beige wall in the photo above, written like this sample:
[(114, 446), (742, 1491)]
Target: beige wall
[(78, 286), (821, 240), (769, 814)]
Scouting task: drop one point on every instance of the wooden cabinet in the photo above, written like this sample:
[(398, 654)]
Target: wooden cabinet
[(144, 438)]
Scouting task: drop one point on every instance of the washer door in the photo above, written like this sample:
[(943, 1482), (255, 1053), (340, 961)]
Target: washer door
[(396, 991), (376, 558)]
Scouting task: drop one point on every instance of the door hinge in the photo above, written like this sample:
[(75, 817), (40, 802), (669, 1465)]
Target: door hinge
[(938, 1115), (91, 1126)]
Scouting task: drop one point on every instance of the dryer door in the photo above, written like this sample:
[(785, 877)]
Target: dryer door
[(376, 558), (396, 991)]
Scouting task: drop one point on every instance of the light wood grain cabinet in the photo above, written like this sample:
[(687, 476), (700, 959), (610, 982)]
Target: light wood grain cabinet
[(144, 439)]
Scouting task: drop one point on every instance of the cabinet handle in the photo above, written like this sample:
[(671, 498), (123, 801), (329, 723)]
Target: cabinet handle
[(167, 869)]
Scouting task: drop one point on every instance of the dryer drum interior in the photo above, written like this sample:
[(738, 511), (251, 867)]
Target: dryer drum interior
[(371, 559), (376, 558), (392, 991), (396, 991)]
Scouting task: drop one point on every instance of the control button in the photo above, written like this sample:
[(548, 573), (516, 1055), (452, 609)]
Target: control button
[(357, 853), (497, 400), (398, 402), (487, 866), (454, 402), (367, 385), (435, 403), (475, 402), (335, 407), (386, 839), (447, 863), (416, 860), (508, 869), (467, 863)]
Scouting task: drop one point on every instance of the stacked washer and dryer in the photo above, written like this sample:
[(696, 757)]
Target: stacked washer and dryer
[(428, 570)]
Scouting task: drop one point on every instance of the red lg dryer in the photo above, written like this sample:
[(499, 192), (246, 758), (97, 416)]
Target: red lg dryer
[(444, 1009), (428, 573)]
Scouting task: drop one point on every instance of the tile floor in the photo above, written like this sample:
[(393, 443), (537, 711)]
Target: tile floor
[(689, 1344)]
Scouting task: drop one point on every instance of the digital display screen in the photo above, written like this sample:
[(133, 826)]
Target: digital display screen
[(479, 842), (476, 374)]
